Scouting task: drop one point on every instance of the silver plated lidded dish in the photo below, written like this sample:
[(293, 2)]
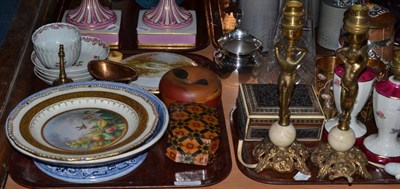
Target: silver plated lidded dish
[(238, 50)]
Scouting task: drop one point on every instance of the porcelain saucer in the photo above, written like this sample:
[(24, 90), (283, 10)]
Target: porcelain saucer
[(49, 80)]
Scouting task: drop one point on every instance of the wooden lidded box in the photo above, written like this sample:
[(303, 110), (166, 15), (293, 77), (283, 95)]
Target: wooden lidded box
[(258, 108)]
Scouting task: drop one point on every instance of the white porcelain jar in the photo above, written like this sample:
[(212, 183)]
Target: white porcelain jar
[(384, 146)]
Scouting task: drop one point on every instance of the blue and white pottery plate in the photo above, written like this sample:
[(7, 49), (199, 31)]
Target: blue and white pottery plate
[(87, 123), (92, 174)]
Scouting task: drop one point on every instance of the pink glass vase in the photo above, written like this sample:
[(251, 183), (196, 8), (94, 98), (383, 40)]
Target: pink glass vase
[(167, 15), (90, 14)]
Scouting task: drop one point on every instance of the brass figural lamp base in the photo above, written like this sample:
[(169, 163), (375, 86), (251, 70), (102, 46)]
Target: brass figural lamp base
[(282, 153), (339, 158)]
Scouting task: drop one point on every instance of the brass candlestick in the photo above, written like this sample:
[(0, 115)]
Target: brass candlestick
[(62, 76), (339, 158), (282, 153)]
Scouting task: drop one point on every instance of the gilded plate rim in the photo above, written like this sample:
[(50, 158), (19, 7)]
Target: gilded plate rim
[(128, 90)]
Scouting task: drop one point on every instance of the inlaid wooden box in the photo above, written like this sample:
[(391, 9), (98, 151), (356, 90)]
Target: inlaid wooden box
[(258, 108), (193, 133)]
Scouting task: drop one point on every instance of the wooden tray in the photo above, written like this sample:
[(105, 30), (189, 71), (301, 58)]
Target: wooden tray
[(157, 171), (379, 176), (130, 11)]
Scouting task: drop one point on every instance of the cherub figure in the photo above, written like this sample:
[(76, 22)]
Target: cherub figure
[(289, 59), (355, 60)]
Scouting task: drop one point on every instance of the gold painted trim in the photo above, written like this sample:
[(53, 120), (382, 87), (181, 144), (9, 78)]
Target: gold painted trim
[(163, 45)]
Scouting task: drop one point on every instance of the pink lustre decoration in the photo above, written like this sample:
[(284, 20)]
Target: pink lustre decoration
[(90, 14), (167, 15)]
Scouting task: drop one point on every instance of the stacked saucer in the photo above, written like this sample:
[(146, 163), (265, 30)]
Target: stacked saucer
[(92, 48)]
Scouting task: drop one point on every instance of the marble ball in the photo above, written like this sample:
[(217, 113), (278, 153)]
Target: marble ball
[(282, 136), (341, 140)]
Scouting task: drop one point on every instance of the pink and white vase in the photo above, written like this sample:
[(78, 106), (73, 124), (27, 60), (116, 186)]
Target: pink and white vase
[(90, 14), (365, 83), (167, 15), (384, 146)]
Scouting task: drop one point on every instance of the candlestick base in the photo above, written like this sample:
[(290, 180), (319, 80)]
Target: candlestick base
[(281, 159), (335, 164)]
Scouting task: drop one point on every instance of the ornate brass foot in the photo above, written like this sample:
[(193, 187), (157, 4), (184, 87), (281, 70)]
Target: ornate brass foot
[(335, 164), (281, 159)]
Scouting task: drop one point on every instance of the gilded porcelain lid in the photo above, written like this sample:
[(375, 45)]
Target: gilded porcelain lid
[(389, 88)]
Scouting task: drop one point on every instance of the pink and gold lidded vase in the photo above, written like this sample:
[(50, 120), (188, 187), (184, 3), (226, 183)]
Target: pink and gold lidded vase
[(90, 14), (167, 15), (384, 147)]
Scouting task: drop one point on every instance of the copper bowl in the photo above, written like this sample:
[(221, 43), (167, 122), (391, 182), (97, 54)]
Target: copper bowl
[(107, 70)]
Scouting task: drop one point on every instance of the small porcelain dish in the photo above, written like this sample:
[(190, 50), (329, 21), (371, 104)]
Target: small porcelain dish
[(47, 39), (153, 65), (86, 123)]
